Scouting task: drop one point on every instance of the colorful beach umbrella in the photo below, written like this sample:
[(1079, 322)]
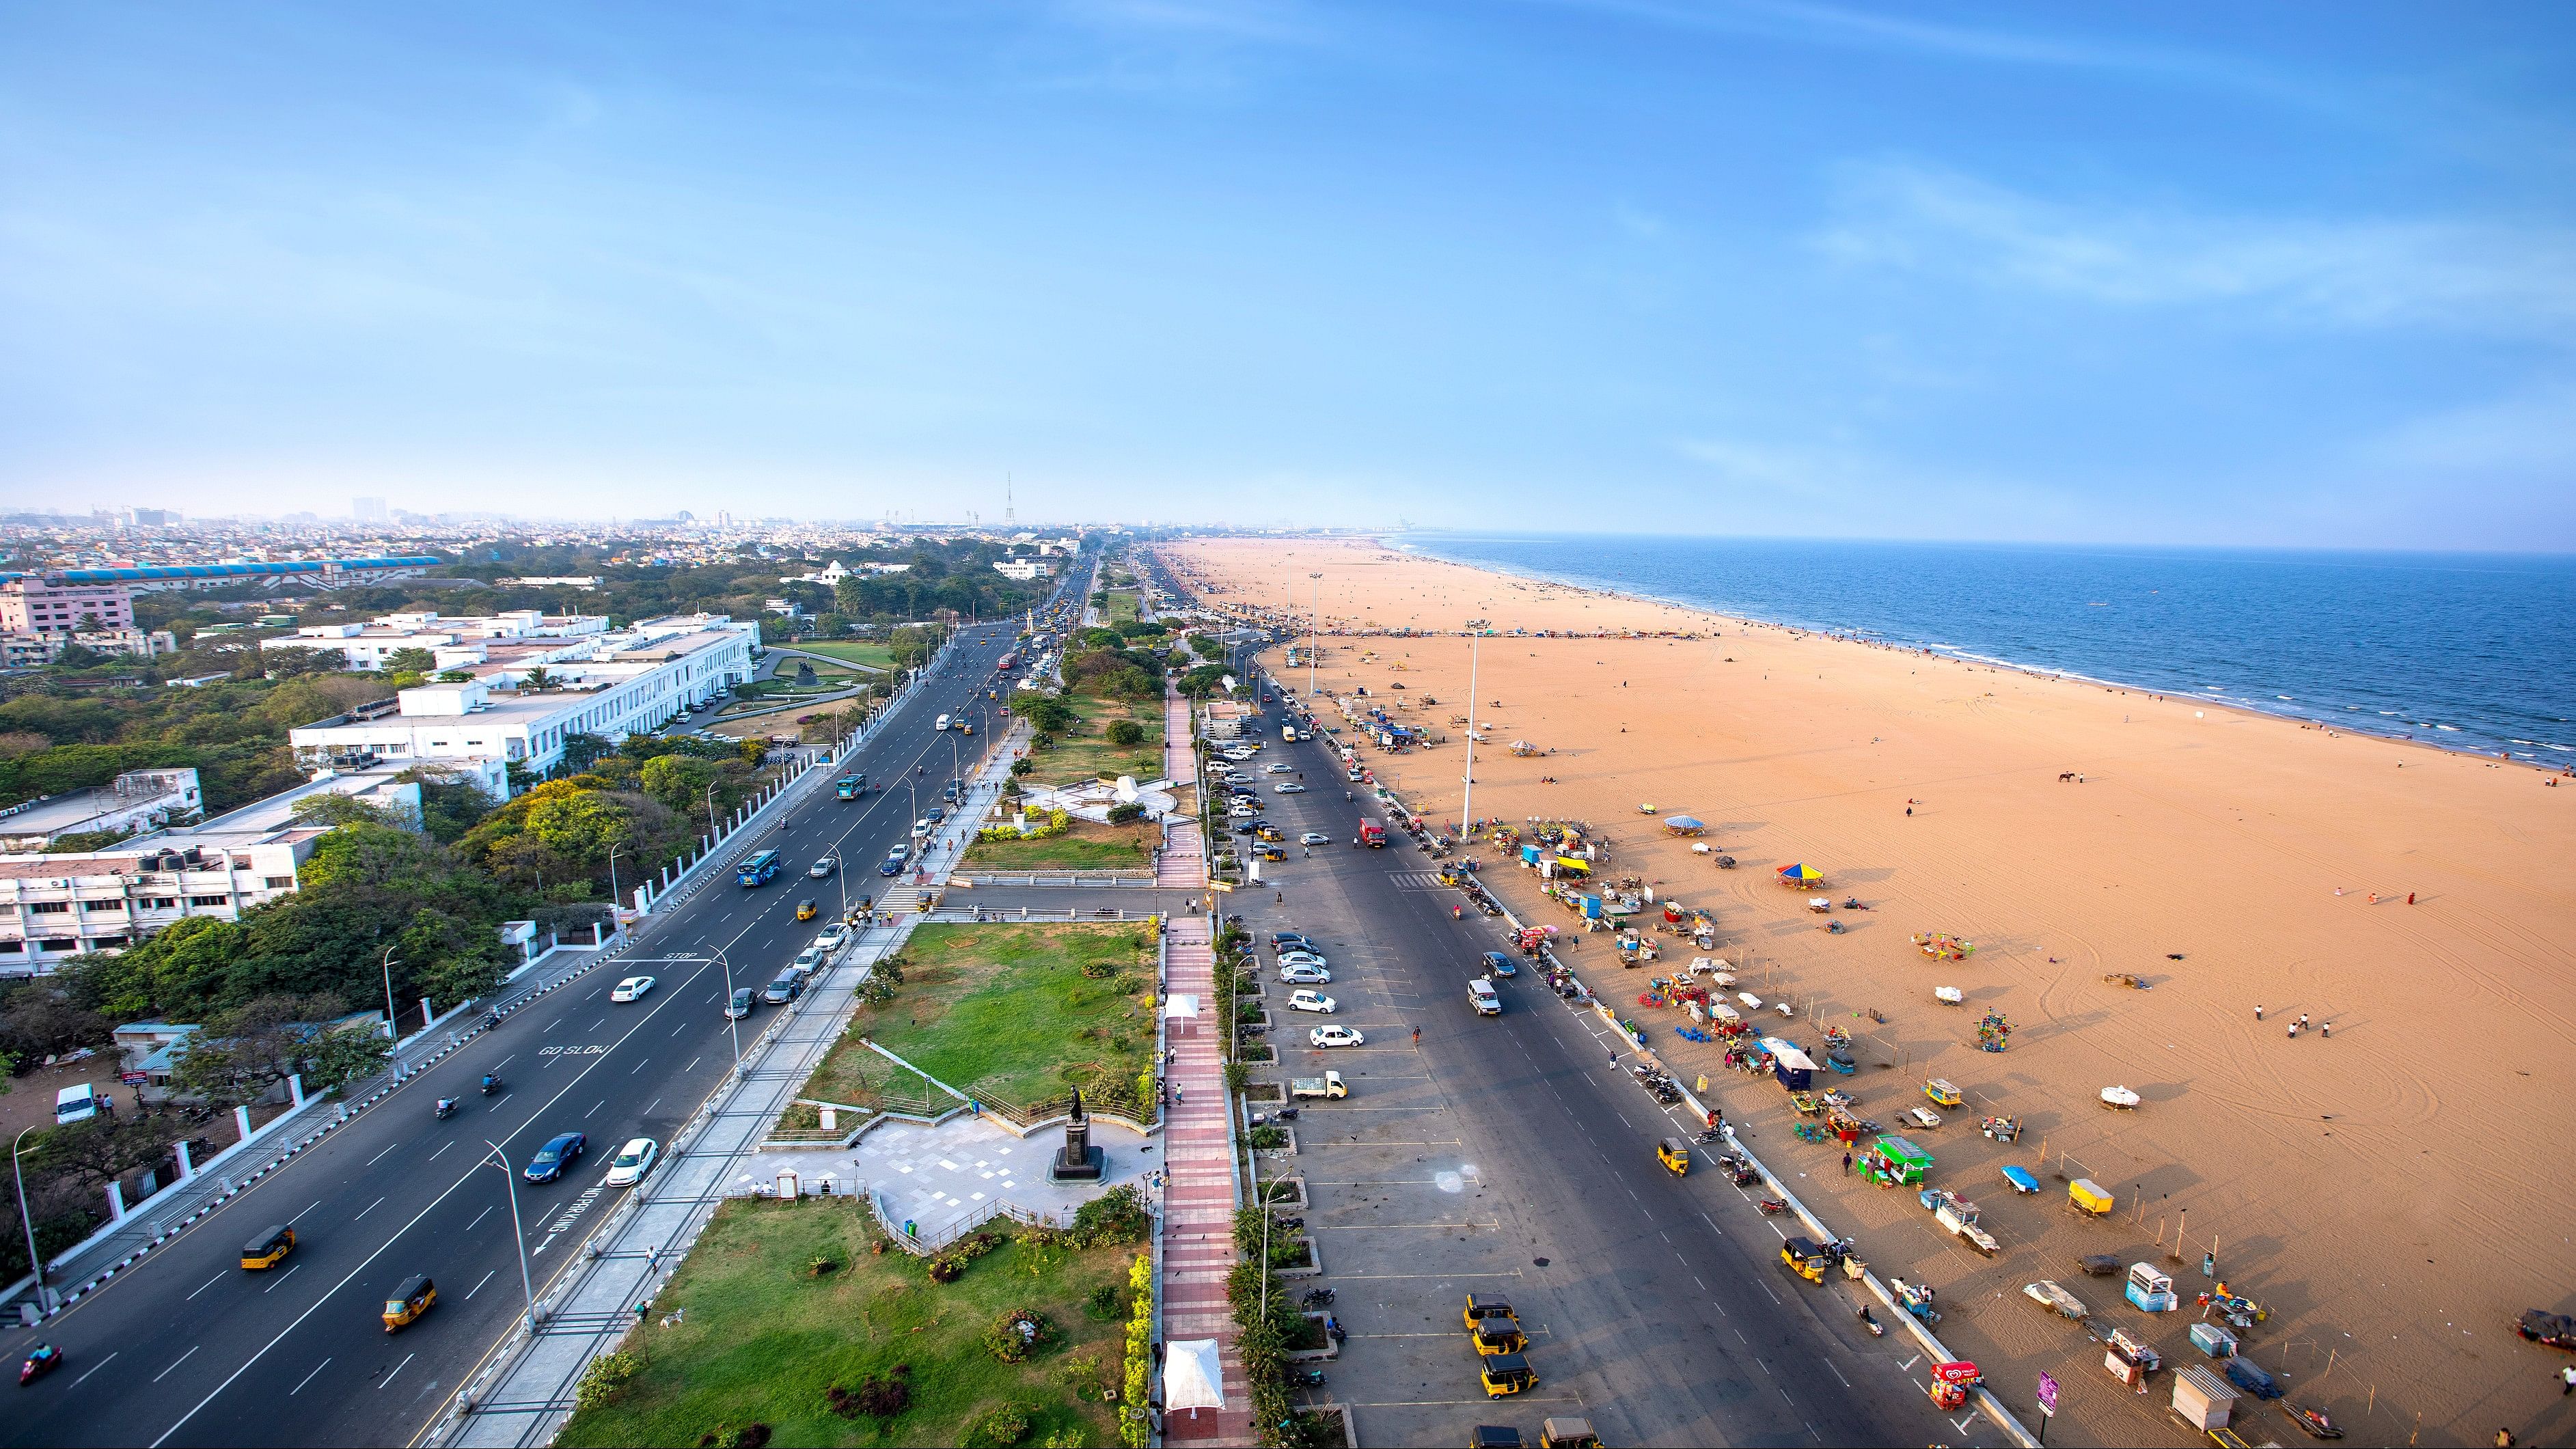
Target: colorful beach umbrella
[(1800, 874), (1684, 824)]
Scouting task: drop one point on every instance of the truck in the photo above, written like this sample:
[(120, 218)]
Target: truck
[(1372, 834), (1481, 995), (1328, 1085), (1288, 734)]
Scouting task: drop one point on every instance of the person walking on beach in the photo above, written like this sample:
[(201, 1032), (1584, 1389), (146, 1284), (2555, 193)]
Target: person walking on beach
[(2567, 1381), (1846, 1164), (2294, 1031), (2258, 1011), (2326, 1031), (2303, 1018)]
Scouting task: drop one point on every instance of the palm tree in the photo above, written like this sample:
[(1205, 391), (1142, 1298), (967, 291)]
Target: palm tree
[(536, 680)]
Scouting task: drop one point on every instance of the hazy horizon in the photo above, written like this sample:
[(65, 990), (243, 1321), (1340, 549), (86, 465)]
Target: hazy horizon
[(2302, 277)]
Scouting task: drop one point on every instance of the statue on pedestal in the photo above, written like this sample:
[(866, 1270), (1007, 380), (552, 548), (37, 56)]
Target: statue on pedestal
[(1079, 1161)]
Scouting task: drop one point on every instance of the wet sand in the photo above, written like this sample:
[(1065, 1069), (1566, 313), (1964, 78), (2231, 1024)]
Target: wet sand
[(2396, 1193)]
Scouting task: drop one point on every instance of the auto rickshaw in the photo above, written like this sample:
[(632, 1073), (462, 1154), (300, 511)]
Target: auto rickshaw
[(1480, 1309), (1942, 1093), (1498, 1335), (805, 910), (409, 1301), (1506, 1373), (1674, 1154), (265, 1250), (1805, 1259), (1493, 1436), (1567, 1433)]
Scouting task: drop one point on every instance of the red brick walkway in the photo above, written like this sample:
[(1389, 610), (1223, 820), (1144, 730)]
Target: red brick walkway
[(1198, 1149)]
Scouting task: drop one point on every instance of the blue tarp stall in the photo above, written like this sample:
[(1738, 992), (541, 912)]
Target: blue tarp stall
[(1529, 855), (1684, 824), (1592, 908), (1795, 1069)]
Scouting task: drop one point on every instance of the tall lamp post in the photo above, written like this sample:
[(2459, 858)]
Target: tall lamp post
[(1466, 805), (711, 815), (527, 1286), (612, 877), (1314, 624), (44, 1295), (388, 966)]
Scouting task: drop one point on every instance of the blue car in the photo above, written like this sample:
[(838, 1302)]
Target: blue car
[(1500, 965), (889, 867), (557, 1155)]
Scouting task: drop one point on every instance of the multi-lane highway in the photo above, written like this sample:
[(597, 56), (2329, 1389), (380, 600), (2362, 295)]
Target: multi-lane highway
[(189, 1348)]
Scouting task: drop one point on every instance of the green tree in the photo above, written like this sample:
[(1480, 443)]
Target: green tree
[(411, 660), (1125, 732), (1203, 681)]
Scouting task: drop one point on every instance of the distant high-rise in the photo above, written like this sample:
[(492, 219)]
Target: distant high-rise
[(368, 510)]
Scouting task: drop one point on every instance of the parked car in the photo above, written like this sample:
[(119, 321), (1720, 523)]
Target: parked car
[(1335, 1036), (810, 960), (891, 865), (559, 1154), (633, 1160), (631, 989), (1294, 957), (1289, 787), (785, 989), (833, 935), (1291, 939), (1310, 1001), (739, 1005), (1314, 837), (1277, 767), (1305, 976)]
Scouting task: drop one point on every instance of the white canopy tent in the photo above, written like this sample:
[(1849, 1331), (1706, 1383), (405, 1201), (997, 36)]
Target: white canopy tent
[(1193, 1378)]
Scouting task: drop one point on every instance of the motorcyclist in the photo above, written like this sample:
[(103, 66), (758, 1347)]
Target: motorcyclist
[(446, 1107), (490, 1081)]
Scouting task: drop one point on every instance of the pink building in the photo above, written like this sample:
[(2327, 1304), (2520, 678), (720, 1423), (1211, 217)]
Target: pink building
[(38, 604)]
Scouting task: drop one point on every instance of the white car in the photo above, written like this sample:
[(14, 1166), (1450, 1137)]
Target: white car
[(1304, 958), (1314, 837), (810, 960), (1310, 1001), (1240, 811), (1333, 1036), (634, 1160), (899, 853), (1289, 787), (631, 989), (833, 935), (1302, 975), (822, 869), (1277, 767), (921, 828)]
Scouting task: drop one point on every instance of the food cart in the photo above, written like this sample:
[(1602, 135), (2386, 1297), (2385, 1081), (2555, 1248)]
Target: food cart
[(2085, 1197), (1894, 1162)]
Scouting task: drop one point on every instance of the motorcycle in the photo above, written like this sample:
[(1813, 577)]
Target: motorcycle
[(1305, 1378), (1772, 1207), (1713, 1134), (1318, 1297), (43, 1361), (1284, 1114), (2314, 1421), (1870, 1322), (446, 1108), (491, 1020), (491, 1084), (1287, 1224)]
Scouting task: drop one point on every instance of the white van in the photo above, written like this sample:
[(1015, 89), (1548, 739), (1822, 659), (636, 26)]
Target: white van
[(940, 724), (78, 1104), (1480, 995)]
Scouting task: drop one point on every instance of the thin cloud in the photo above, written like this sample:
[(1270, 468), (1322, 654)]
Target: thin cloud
[(2359, 273)]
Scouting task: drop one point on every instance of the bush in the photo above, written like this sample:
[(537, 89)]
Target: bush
[(1000, 1428), (1016, 1334), (606, 1377), (1264, 1139), (1126, 814), (1125, 732), (1116, 1216), (876, 1398)]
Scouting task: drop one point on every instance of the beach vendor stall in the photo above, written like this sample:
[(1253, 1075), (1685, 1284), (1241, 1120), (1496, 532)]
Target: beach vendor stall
[(1684, 824), (1794, 1068), (1894, 1162), (1800, 877), (1943, 946)]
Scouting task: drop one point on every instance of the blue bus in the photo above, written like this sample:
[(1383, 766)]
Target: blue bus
[(851, 787), (760, 869)]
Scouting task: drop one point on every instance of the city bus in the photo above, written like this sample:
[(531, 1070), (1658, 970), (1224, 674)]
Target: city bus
[(760, 869), (851, 787)]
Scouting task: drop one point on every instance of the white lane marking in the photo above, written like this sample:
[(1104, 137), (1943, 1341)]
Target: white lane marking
[(308, 1378), (379, 1157), (648, 1108), (398, 1368), (174, 1363), (442, 1152), (94, 1368), (478, 1283), (308, 1207), (282, 1277), (371, 1207), (641, 1065), (479, 1217), (505, 1061), (202, 1287), (693, 1061)]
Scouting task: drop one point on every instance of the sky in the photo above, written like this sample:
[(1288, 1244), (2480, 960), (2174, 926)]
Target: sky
[(2281, 275)]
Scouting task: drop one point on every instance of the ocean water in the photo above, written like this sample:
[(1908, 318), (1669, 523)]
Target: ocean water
[(2464, 651)]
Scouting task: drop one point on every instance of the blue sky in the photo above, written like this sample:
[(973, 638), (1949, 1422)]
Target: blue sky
[(2230, 274)]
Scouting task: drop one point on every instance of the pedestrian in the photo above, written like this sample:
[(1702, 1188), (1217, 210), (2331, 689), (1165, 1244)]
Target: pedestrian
[(1846, 1164), (2567, 1381), (2327, 1030), (2258, 1010), (2374, 898), (2410, 898), (1417, 1036), (2294, 1031), (2303, 1018), (1909, 809)]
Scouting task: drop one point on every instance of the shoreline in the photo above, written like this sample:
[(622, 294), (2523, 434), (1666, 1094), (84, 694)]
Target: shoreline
[(1960, 655)]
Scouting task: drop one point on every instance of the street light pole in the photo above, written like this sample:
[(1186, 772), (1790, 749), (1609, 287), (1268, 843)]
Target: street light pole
[(389, 994), (27, 1220), (1466, 810), (527, 1286), (1314, 624), (612, 878), (711, 815)]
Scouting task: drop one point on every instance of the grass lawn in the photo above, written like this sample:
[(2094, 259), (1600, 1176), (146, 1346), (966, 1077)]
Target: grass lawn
[(765, 1339), (1084, 847), (1121, 608), (1007, 1010), (873, 656), (1084, 752)]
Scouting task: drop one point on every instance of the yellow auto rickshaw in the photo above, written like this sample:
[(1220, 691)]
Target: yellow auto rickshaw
[(265, 1250), (1506, 1373), (1942, 1093), (1674, 1154), (805, 910), (1498, 1335), (1480, 1309), (1567, 1433), (1804, 1259), (409, 1301)]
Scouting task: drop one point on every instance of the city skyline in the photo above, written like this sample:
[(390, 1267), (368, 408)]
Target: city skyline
[(2196, 277)]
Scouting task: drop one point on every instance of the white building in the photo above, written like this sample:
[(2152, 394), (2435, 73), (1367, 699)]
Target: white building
[(523, 636), (138, 800), (1023, 569), (610, 684)]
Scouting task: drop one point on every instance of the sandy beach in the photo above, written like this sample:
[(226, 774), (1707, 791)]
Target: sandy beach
[(2394, 1192)]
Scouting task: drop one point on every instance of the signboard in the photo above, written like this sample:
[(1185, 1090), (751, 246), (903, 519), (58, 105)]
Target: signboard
[(134, 1079), (2048, 1395)]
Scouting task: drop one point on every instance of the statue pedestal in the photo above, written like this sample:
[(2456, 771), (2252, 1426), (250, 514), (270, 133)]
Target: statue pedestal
[(1092, 1166)]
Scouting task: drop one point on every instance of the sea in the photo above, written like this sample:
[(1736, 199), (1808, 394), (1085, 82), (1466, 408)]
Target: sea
[(2472, 652)]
